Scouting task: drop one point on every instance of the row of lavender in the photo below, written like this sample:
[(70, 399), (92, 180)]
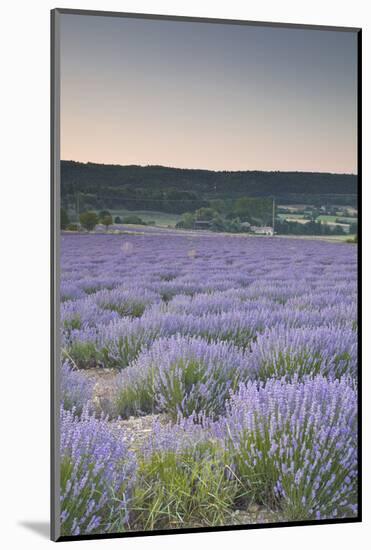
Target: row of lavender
[(249, 348)]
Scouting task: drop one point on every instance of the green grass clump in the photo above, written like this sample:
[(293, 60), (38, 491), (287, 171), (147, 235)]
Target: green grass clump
[(121, 351), (189, 489), (83, 354), (72, 324), (127, 309), (135, 399)]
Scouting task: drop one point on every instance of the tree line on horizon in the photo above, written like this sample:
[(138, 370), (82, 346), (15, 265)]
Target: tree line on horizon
[(172, 190)]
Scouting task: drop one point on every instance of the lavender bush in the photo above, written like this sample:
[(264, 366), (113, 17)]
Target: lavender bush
[(181, 375), (283, 352), (294, 445), (75, 390), (97, 475)]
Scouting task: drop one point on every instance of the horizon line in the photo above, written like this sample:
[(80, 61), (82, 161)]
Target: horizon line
[(210, 169)]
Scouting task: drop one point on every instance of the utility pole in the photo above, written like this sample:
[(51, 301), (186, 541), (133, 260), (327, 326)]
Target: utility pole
[(273, 214), (77, 204)]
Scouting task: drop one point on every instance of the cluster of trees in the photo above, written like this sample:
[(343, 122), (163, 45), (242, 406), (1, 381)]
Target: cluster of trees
[(253, 210), (90, 219), (310, 228), (230, 216), (216, 223), (133, 219), (65, 221)]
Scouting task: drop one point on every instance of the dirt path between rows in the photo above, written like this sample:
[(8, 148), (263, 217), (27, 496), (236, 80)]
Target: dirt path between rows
[(137, 430)]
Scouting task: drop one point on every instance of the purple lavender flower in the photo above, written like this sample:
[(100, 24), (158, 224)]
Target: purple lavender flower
[(97, 475), (182, 375), (75, 389), (331, 351), (294, 443)]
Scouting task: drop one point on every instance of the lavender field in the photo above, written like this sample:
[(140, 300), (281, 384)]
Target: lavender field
[(206, 380)]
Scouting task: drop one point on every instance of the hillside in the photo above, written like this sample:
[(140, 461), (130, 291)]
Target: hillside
[(178, 190)]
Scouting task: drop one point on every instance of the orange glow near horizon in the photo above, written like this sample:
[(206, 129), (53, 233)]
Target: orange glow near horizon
[(198, 95)]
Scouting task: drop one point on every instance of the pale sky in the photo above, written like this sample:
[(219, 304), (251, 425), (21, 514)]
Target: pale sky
[(202, 95)]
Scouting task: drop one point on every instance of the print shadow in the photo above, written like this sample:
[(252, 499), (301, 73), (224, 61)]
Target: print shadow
[(41, 528)]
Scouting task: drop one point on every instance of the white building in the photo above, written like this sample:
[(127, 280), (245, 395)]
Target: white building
[(263, 230)]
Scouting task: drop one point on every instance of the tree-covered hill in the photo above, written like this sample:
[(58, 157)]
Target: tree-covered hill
[(180, 190)]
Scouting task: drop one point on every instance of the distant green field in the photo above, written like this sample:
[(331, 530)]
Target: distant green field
[(292, 216), (344, 219), (343, 238), (325, 218), (161, 218), (329, 238)]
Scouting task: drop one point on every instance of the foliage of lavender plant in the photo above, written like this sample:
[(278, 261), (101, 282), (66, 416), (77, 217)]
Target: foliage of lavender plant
[(75, 389), (292, 446), (184, 434), (182, 375), (97, 475), (282, 352), (295, 444)]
